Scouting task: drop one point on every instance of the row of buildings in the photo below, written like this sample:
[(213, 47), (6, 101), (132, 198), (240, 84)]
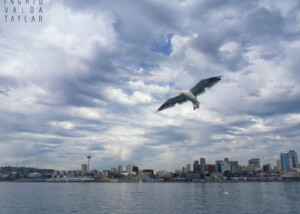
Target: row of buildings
[(286, 167)]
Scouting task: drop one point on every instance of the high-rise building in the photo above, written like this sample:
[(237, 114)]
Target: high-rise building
[(285, 161), (294, 159), (83, 168), (219, 166), (202, 165), (135, 169), (222, 166), (211, 168), (278, 163), (113, 170), (185, 170), (196, 166), (254, 162), (129, 168), (267, 167), (119, 169), (234, 163), (188, 166)]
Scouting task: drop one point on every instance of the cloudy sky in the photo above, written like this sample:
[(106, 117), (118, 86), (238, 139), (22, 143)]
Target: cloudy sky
[(90, 77)]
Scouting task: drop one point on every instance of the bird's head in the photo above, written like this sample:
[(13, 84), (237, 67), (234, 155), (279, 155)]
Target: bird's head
[(180, 93)]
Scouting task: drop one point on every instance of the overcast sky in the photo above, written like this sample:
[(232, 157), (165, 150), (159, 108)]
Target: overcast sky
[(89, 79)]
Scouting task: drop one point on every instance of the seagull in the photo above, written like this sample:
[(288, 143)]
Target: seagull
[(191, 95)]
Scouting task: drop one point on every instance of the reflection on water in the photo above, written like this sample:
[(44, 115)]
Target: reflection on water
[(46, 198)]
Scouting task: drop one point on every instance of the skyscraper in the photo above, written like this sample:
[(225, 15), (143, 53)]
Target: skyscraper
[(84, 168), (188, 166), (196, 166), (278, 163), (285, 163), (135, 169), (129, 168), (202, 165), (222, 166), (293, 155), (119, 169)]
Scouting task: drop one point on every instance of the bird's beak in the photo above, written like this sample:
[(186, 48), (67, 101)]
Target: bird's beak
[(180, 93)]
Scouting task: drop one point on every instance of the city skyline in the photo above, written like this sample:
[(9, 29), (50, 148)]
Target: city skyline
[(194, 165), (89, 78)]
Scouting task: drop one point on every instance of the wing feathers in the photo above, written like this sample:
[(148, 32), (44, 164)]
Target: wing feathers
[(172, 102), (206, 83)]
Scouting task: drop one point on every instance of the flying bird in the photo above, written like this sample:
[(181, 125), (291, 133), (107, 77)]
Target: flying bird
[(191, 95)]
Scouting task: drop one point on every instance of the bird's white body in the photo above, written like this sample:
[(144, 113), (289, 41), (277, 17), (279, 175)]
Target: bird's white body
[(191, 97)]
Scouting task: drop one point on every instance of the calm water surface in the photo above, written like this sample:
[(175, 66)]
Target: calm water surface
[(46, 198)]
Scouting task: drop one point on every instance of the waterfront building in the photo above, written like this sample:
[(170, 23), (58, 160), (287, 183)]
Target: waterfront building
[(55, 173), (196, 166), (162, 173), (148, 172), (254, 162), (34, 175), (285, 163), (294, 159), (62, 173), (105, 173), (202, 165), (192, 175)]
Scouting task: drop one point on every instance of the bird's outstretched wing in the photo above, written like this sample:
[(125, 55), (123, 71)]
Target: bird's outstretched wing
[(206, 83), (172, 102)]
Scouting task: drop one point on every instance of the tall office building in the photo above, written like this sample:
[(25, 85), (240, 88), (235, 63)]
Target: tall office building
[(211, 168), (202, 165), (222, 166), (135, 169), (219, 166), (285, 162), (119, 169), (267, 167), (188, 166), (294, 159), (196, 166), (185, 170), (254, 162), (278, 163), (83, 168), (129, 168)]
